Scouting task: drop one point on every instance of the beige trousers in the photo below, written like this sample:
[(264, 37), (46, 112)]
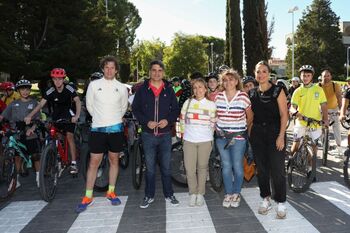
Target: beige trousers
[(196, 158)]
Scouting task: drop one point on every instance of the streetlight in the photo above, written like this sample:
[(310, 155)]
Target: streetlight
[(212, 56), (292, 11), (106, 8), (347, 62)]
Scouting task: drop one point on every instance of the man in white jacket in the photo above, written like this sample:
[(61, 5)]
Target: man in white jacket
[(107, 102)]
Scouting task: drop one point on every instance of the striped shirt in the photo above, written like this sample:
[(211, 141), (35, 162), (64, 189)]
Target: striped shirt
[(197, 122), (232, 115)]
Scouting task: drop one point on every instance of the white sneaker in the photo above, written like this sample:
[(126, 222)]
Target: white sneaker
[(281, 210), (37, 180), (200, 200), (227, 201), (235, 200), (265, 206), (193, 200), (18, 184)]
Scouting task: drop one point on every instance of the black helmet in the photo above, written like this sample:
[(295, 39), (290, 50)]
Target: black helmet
[(307, 68), (96, 75), (247, 79), (210, 76), (23, 83), (175, 79)]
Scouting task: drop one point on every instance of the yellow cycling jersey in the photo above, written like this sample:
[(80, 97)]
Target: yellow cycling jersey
[(8, 99), (309, 100), (331, 89)]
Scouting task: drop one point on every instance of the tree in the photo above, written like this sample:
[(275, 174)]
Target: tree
[(218, 49), (235, 36), (318, 39), (256, 33), (185, 55), (227, 41), (143, 53)]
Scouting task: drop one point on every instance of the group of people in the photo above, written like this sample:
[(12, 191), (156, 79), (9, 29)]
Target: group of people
[(236, 111)]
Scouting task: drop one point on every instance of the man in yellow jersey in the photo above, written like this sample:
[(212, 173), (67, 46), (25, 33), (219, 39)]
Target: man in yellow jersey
[(332, 91), (308, 101)]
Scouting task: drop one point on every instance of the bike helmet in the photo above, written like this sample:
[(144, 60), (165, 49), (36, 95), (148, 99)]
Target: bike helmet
[(308, 68), (283, 83), (247, 79), (96, 75), (175, 79), (58, 73), (222, 68), (7, 86), (210, 76), (296, 79), (23, 83)]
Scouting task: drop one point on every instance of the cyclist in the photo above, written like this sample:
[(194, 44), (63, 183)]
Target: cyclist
[(187, 90), (9, 92), (267, 137), (308, 101), (177, 87), (61, 96), (333, 94), (156, 108), (295, 85), (107, 102), (15, 113), (249, 83), (344, 109), (213, 85)]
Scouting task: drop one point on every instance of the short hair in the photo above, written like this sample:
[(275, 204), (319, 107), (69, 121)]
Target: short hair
[(234, 74), (264, 63), (107, 59), (156, 62), (328, 69)]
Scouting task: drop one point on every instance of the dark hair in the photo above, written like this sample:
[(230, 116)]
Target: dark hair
[(265, 63), (156, 62), (327, 69), (196, 75), (107, 59)]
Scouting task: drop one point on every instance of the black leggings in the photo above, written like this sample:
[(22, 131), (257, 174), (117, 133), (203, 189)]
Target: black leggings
[(269, 161)]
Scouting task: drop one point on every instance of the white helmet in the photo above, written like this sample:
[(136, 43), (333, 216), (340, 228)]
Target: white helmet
[(282, 82), (296, 79)]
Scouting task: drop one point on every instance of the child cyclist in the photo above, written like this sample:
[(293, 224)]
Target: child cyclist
[(15, 112), (309, 100)]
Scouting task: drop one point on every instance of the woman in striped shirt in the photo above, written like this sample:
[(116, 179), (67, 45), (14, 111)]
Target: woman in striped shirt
[(197, 121), (234, 117)]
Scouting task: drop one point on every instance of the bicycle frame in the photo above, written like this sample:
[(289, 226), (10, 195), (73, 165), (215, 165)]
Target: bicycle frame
[(19, 147), (62, 150)]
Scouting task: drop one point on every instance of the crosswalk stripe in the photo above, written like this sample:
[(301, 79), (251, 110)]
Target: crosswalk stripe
[(335, 193), (101, 216), (294, 221), (17, 215), (184, 218)]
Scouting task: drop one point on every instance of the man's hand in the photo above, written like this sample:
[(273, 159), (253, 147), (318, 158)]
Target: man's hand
[(341, 117), (326, 123), (30, 132), (163, 123), (152, 124), (280, 142), (75, 119), (27, 120)]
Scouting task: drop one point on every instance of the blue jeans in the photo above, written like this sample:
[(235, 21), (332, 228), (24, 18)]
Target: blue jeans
[(157, 147), (232, 163)]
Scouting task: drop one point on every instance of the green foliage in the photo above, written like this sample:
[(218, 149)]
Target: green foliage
[(318, 39), (185, 55), (143, 53), (218, 49)]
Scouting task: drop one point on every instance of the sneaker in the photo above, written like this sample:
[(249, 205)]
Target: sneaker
[(265, 206), (172, 200), (235, 200), (314, 180), (37, 180), (84, 204), (193, 200), (113, 198), (146, 201), (73, 169), (281, 210), (18, 184), (227, 201), (200, 200)]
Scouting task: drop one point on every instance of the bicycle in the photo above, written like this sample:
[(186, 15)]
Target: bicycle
[(215, 173), (54, 159), (346, 168), (138, 166), (12, 147), (299, 175), (325, 137), (178, 171)]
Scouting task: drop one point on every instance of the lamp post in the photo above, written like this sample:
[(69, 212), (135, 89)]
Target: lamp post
[(347, 62), (106, 8), (212, 56), (292, 10)]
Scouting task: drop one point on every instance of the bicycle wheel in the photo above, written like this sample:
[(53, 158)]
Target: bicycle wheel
[(325, 146), (346, 167), (215, 174), (299, 174), (137, 165), (345, 123), (124, 158), (8, 175), (178, 172), (48, 175)]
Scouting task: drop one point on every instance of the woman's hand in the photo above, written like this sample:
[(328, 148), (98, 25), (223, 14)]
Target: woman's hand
[(280, 142)]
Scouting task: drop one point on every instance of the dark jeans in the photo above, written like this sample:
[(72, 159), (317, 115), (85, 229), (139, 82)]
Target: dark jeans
[(157, 147), (269, 161)]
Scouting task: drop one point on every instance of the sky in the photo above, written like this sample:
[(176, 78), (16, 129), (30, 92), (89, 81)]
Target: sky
[(162, 18)]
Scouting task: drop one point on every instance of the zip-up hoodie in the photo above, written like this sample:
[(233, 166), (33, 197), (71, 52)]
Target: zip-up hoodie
[(146, 107)]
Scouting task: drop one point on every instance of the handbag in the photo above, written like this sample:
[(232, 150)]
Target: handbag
[(249, 169)]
